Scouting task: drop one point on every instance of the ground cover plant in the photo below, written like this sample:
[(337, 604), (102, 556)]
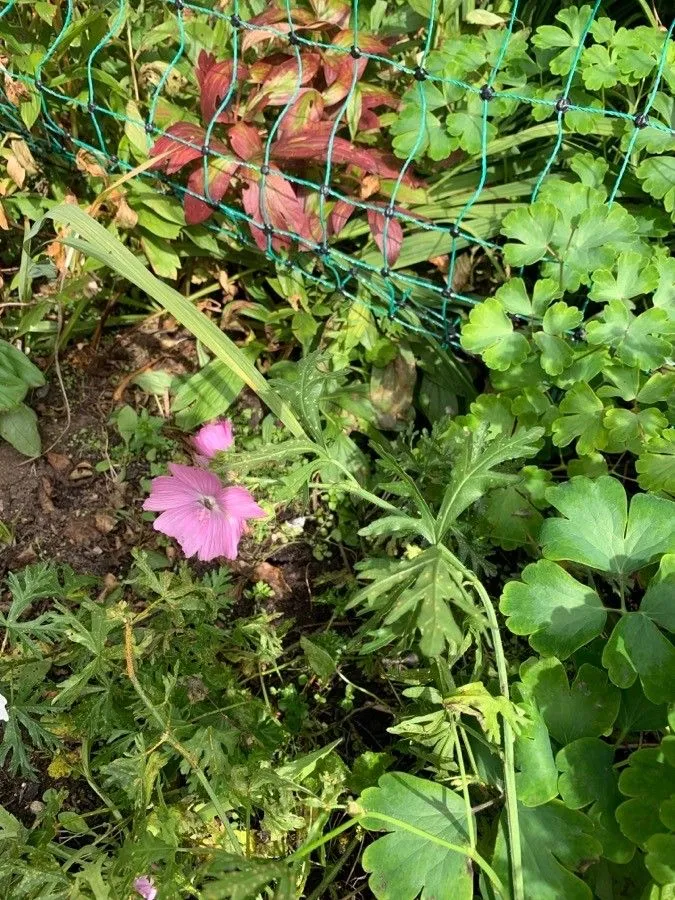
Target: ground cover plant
[(338, 465)]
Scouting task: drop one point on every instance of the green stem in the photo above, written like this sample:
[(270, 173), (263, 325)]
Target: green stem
[(332, 873), (509, 739)]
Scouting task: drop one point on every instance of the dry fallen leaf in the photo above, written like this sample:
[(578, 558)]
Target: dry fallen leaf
[(59, 462), (274, 577), (16, 91), (81, 471), (4, 222), (125, 216), (370, 184), (104, 522), (87, 162)]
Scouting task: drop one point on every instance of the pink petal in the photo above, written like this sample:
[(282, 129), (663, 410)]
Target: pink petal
[(168, 493), (176, 523), (239, 503), (145, 887), (201, 481), (221, 538), (214, 437)]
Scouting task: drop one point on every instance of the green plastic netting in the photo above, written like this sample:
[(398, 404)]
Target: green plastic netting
[(74, 106)]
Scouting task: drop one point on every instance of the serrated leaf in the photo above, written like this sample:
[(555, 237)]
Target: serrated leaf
[(557, 612), (424, 820), (600, 532)]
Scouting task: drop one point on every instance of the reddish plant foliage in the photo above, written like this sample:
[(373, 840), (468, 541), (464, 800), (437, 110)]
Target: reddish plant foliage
[(229, 154)]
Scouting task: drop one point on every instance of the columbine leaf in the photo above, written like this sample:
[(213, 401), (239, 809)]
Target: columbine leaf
[(587, 708), (422, 819), (656, 464), (588, 779), (582, 417), (489, 332), (657, 175), (635, 648), (636, 340), (649, 782), (534, 227), (557, 612), (598, 531), (548, 37), (556, 841), (632, 279)]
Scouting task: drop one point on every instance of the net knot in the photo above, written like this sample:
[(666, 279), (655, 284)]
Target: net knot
[(562, 104), (355, 53), (486, 92), (641, 120), (420, 73)]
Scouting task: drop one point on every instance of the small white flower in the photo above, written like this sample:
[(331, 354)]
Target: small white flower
[(4, 715)]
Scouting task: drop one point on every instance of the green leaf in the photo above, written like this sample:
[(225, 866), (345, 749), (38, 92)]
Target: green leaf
[(510, 518), (556, 841), (639, 714), (162, 257), (587, 708), (97, 242), (599, 68), (635, 648), (473, 472), (548, 37), (425, 822), (633, 279), (659, 601), (656, 464), (18, 426), (636, 340), (489, 332), (557, 612), (534, 226), (657, 175), (415, 595), (588, 779), (536, 772), (598, 531), (320, 660), (17, 375), (628, 430), (649, 781), (581, 417), (135, 132)]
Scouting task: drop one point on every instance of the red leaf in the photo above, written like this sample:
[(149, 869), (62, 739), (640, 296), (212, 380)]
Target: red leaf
[(283, 80), (278, 18), (284, 210), (246, 141), (366, 42), (220, 174), (306, 110), (185, 140), (215, 79), (339, 75), (340, 215), (369, 121), (332, 12), (394, 235)]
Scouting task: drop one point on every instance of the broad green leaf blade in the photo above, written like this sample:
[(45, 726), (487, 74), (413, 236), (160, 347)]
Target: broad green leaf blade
[(558, 612), (556, 841), (588, 779), (18, 426), (586, 708), (599, 532), (97, 242), (635, 648), (414, 859), (536, 772)]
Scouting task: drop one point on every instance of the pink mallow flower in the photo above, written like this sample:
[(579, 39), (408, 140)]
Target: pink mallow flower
[(205, 517), (144, 886), (212, 438)]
